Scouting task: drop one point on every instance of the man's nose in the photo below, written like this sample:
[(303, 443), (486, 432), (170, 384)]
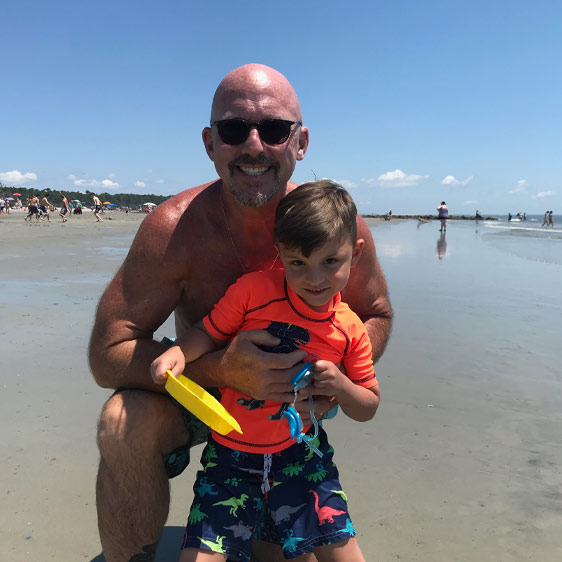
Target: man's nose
[(253, 143)]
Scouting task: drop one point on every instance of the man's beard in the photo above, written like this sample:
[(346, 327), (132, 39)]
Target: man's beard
[(255, 198)]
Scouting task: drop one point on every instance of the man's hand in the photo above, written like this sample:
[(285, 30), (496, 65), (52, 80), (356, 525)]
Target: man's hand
[(171, 359), (260, 374)]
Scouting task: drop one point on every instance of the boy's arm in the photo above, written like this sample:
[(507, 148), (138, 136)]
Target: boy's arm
[(357, 402), (197, 341), (194, 343)]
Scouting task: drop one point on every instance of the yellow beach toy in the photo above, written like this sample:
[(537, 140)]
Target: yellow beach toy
[(201, 404)]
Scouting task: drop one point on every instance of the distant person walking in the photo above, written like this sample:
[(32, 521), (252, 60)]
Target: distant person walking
[(550, 219), (546, 217), (97, 207), (45, 207), (33, 208), (443, 215), (65, 208)]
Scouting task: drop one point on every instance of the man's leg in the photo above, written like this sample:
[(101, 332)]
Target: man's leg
[(137, 428)]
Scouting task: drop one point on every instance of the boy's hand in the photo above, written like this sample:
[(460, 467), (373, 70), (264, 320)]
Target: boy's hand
[(172, 359), (322, 405), (328, 380)]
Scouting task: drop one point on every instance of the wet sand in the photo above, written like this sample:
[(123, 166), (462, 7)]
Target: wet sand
[(461, 462)]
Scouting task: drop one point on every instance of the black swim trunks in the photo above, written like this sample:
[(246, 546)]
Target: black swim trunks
[(177, 461)]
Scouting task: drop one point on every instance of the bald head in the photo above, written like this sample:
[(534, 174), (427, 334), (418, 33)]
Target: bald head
[(255, 88)]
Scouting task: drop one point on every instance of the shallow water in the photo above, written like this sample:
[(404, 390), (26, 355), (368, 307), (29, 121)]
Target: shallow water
[(477, 293)]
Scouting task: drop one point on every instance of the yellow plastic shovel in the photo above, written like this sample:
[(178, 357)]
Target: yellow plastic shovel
[(201, 404)]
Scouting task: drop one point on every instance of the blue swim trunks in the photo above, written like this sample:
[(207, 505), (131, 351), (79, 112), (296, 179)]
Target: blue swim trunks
[(305, 501)]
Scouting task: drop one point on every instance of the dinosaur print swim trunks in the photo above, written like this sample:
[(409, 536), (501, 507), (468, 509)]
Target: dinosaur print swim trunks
[(305, 499)]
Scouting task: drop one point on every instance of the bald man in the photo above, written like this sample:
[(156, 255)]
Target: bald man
[(183, 258)]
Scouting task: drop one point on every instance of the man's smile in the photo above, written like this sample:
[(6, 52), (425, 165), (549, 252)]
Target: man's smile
[(253, 171)]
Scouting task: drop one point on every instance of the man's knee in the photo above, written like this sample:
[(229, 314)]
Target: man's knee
[(139, 420)]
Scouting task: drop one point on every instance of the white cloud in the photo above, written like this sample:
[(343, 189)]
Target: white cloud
[(397, 178), (111, 175), (451, 180), (159, 181), (71, 177), (520, 187), (140, 184), (542, 194), (15, 177), (470, 202), (108, 184)]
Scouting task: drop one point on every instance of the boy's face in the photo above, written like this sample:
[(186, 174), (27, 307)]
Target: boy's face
[(318, 277)]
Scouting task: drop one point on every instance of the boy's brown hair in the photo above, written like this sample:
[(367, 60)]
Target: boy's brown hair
[(314, 213)]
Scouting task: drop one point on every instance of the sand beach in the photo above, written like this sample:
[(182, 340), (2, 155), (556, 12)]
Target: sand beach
[(463, 461)]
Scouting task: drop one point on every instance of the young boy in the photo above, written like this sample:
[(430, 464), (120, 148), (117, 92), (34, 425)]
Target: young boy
[(316, 237)]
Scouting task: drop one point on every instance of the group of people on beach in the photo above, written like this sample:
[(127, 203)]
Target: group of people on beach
[(41, 208), (5, 205), (266, 275)]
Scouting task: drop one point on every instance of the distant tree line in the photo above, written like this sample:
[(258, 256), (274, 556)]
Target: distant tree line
[(132, 200)]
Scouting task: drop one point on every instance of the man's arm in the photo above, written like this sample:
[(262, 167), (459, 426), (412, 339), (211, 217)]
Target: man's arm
[(142, 295), (367, 294)]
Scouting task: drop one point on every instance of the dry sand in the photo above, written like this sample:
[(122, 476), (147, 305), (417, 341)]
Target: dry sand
[(458, 465)]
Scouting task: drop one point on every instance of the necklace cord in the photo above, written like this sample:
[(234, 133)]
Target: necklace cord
[(233, 243)]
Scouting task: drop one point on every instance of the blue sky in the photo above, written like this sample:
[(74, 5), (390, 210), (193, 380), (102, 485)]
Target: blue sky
[(408, 103)]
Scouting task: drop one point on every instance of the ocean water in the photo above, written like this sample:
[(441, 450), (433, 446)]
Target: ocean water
[(486, 292), (471, 385)]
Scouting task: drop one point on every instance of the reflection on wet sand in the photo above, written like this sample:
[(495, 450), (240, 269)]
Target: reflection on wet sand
[(442, 245)]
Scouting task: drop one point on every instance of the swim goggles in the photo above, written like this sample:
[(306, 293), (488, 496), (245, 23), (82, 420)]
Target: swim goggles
[(301, 380)]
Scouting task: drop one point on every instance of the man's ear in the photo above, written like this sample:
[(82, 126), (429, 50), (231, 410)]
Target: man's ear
[(357, 251), (207, 135), (303, 142)]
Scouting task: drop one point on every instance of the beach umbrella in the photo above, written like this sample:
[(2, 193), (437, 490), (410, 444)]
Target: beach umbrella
[(107, 203), (16, 194), (9, 198), (150, 204)]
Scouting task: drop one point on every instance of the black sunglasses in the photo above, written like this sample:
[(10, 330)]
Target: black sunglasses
[(271, 131)]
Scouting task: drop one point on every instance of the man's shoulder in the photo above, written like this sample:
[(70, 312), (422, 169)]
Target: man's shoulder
[(179, 203), (184, 200), (176, 221)]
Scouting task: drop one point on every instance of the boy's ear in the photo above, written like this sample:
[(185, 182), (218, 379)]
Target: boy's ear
[(357, 251)]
